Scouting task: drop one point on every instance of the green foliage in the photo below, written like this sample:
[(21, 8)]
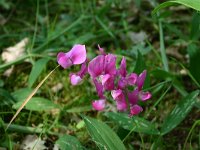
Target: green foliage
[(179, 112), (68, 142), (135, 124), (37, 70), (37, 104), (54, 115), (194, 4), (103, 136)]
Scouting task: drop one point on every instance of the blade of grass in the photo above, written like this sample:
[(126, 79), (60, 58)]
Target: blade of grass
[(105, 27), (158, 101), (35, 32), (79, 20), (162, 47), (194, 4), (30, 96), (193, 126), (21, 59)]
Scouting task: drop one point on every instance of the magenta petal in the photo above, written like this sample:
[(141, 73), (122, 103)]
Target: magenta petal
[(144, 95), (99, 88), (117, 94), (99, 104), (107, 81), (83, 70), (78, 54), (75, 79), (96, 66), (132, 78), (141, 79), (110, 64), (135, 110), (122, 69), (121, 105), (101, 50), (133, 97), (120, 98), (122, 83), (63, 60)]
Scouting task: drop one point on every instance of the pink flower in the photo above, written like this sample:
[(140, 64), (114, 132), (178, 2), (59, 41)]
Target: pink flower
[(104, 67), (76, 78), (141, 79), (120, 98), (135, 110), (99, 104), (77, 55), (124, 78), (136, 95), (99, 88)]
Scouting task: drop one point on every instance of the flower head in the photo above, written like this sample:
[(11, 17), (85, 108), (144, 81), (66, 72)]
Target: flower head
[(76, 78), (99, 104), (77, 55)]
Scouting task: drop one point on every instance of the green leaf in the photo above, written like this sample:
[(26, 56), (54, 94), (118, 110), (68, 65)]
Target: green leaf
[(164, 75), (179, 112), (103, 135), (194, 55), (195, 26), (135, 124), (37, 70), (68, 142), (194, 4), (79, 109), (140, 67), (21, 94), (6, 98), (37, 104)]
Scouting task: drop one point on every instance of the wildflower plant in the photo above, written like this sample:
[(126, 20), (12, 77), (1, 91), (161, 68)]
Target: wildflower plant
[(107, 78)]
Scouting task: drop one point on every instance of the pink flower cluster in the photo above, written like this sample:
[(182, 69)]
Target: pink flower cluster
[(106, 77)]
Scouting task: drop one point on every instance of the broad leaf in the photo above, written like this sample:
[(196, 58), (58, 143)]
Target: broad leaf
[(179, 112), (37, 104), (194, 4), (194, 54), (135, 124), (21, 94), (103, 135), (37, 70), (68, 142)]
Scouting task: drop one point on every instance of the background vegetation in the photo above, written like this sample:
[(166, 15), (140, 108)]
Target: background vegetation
[(166, 43)]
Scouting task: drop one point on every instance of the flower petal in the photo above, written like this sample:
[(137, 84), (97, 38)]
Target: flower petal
[(121, 105), (135, 110), (122, 83), (75, 79), (99, 104), (144, 95), (83, 70), (64, 60), (122, 69), (110, 64), (96, 66), (101, 50), (132, 78), (78, 54), (117, 94), (99, 88), (133, 97), (141, 79), (107, 81), (120, 98)]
